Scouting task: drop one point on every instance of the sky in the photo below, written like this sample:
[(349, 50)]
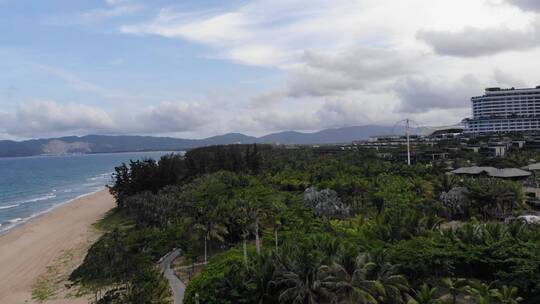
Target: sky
[(197, 68)]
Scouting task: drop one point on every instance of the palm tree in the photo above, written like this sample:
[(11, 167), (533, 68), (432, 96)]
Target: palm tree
[(277, 225), (353, 285), (483, 292), (493, 197), (455, 287), (257, 238), (508, 295), (243, 219), (261, 272), (252, 203), (301, 279), (395, 284), (470, 233), (424, 295), (517, 229), (276, 219), (507, 200), (210, 230), (494, 232)]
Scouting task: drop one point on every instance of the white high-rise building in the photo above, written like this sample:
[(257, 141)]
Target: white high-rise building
[(505, 110)]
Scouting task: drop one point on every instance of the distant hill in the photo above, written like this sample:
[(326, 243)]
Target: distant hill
[(328, 136), (108, 144)]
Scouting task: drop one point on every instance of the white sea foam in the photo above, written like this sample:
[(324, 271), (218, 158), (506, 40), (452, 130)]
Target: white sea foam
[(38, 199), (9, 206), (100, 176), (15, 220), (18, 221), (27, 201)]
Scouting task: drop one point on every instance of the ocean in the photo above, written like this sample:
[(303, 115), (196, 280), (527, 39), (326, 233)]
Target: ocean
[(31, 186)]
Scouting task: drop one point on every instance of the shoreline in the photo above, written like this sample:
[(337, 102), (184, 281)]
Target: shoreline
[(43, 251), (30, 219)]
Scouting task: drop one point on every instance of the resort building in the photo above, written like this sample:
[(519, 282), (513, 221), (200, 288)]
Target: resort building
[(526, 176), (505, 110), (506, 173)]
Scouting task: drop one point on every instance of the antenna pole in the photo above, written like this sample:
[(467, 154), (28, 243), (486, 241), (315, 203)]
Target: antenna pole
[(407, 133)]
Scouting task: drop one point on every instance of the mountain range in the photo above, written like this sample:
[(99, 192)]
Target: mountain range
[(128, 143)]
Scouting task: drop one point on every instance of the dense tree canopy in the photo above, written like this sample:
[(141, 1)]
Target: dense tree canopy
[(299, 226)]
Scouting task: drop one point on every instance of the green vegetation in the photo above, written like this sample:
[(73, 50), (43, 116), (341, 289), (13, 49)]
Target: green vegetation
[(297, 226)]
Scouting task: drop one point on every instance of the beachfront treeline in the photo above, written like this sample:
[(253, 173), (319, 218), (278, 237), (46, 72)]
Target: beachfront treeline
[(300, 226)]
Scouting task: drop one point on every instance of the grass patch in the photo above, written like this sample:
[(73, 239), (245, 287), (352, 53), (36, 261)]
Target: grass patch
[(50, 284), (54, 283), (44, 289), (114, 219)]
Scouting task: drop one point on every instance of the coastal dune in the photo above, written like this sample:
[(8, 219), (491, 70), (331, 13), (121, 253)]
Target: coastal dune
[(39, 255)]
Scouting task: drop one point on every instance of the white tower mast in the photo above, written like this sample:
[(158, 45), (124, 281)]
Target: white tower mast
[(407, 133)]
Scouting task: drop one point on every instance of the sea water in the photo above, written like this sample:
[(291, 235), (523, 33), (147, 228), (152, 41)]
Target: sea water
[(30, 186)]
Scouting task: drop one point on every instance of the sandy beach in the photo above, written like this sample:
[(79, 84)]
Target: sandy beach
[(39, 255)]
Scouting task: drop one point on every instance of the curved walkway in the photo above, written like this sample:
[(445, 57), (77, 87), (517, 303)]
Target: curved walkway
[(178, 288)]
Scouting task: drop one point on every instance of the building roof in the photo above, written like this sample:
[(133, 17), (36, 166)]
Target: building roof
[(532, 167), (430, 131), (474, 170), (494, 172), (510, 172)]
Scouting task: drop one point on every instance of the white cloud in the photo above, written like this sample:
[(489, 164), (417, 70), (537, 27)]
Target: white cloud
[(47, 118), (71, 79), (340, 62), (97, 15), (532, 5), (277, 32), (173, 117), (268, 98), (419, 94), (75, 82), (113, 9), (360, 68), (506, 79), (474, 42), (263, 33), (359, 61)]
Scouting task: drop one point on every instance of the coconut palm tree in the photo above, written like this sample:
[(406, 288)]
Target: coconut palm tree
[(353, 285), (424, 295), (253, 202), (301, 279), (276, 218), (455, 287), (494, 197), (517, 229), (508, 295), (210, 230), (482, 292), (277, 224), (494, 231), (395, 285), (262, 270), (470, 233), (244, 217)]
